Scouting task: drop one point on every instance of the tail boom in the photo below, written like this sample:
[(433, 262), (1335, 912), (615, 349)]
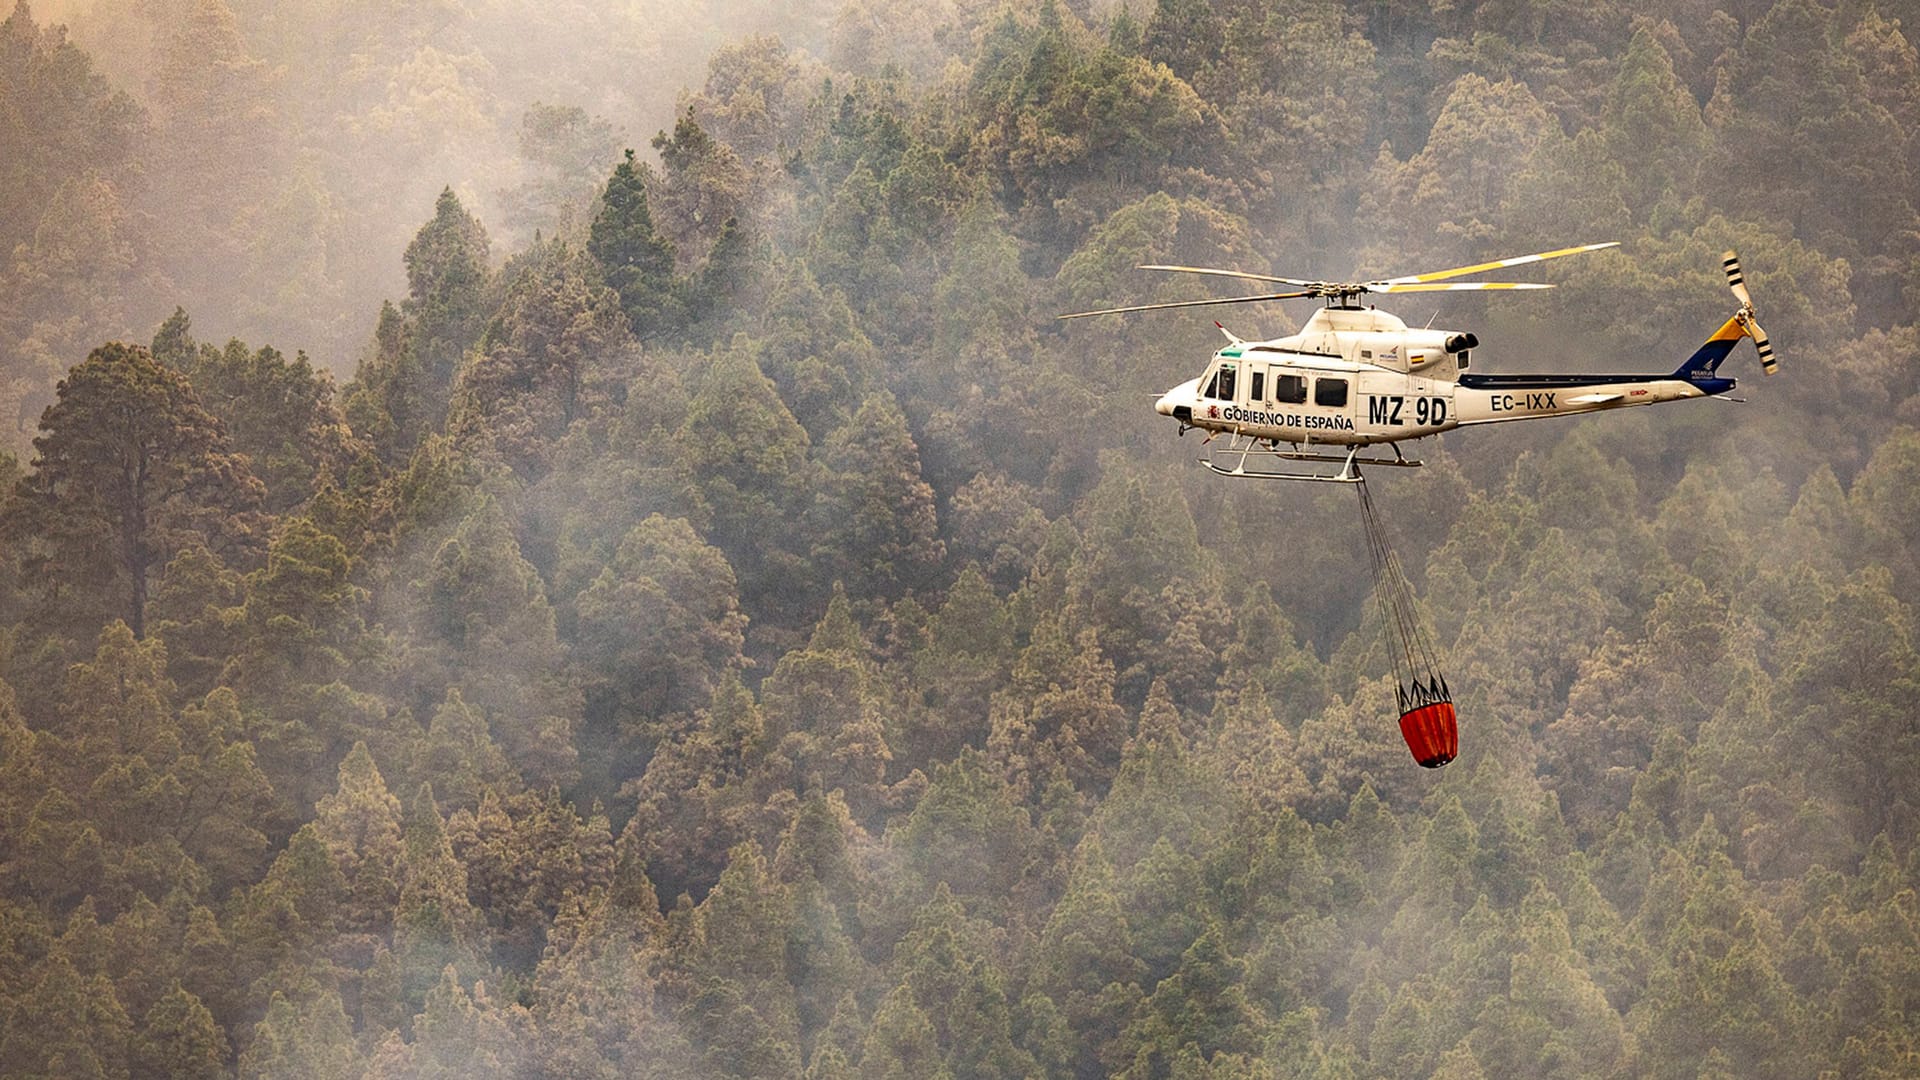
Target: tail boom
[(1490, 399)]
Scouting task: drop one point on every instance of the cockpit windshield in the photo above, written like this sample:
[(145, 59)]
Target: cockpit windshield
[(1221, 386)]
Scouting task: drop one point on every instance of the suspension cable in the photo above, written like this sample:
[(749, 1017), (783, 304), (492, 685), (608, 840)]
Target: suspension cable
[(1408, 647)]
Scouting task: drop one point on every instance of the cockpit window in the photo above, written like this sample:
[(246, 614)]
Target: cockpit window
[(1226, 383), (1330, 392), (1289, 389)]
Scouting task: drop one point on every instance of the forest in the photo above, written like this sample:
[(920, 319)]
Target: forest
[(566, 541)]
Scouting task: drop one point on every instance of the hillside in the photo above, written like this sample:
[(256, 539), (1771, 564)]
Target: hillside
[(489, 590)]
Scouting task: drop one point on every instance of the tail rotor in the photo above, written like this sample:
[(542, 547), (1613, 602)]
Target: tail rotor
[(1745, 316)]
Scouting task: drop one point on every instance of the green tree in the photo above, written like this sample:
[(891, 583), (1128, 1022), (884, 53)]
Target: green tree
[(461, 756), (942, 968), (638, 263), (900, 1043), (528, 856), (968, 834), (179, 1038), (1058, 719), (827, 695), (389, 401), (662, 622), (196, 611), (219, 150), (814, 347), (1202, 1003), (1841, 96), (455, 1035), (308, 1039), (128, 471), (1652, 120), (1855, 668), (279, 412), (704, 186), (64, 1023), (78, 122), (479, 619), (360, 825), (563, 150), (173, 794), (448, 278), (596, 999), (1086, 961), (707, 790), (742, 1011), (435, 927), (303, 633), (876, 528), (1486, 132), (747, 457), (544, 361)]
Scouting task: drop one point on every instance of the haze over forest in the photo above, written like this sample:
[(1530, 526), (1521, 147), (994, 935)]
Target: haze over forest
[(565, 540)]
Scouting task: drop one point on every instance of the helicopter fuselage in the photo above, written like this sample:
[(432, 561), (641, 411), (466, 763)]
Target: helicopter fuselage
[(1358, 377)]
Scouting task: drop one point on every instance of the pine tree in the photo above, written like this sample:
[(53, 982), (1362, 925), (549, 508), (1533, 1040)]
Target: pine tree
[(63, 1023), (478, 617), (310, 1040), (705, 186), (279, 412), (637, 262), (389, 402), (662, 622), (129, 469), (876, 527), (448, 277), (180, 1039), (827, 695), (435, 928), (360, 824), (544, 363)]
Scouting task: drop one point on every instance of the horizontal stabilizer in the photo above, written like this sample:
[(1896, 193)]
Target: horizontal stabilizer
[(1594, 399)]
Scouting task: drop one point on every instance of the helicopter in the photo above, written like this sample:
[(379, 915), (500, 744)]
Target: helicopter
[(1356, 377)]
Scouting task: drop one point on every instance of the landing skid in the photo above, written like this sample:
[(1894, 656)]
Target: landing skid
[(1242, 451)]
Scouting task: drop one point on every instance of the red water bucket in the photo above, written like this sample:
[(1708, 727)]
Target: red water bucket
[(1431, 733)]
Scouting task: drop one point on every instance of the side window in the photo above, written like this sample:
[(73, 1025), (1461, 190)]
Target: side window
[(1227, 383), (1289, 389), (1330, 392), (1211, 385), (1256, 390)]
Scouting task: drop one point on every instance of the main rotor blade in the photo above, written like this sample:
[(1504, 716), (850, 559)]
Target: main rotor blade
[(1461, 286), (1442, 275), (1231, 274), (1186, 303)]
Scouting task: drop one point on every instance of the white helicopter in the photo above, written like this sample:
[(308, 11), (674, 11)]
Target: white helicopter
[(1356, 377)]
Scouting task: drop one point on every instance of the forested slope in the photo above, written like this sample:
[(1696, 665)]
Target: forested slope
[(717, 623)]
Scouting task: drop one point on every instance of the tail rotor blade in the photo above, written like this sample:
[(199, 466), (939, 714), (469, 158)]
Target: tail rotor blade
[(1767, 362), (1737, 281)]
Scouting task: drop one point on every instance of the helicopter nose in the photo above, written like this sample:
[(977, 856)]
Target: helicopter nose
[(1179, 400)]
